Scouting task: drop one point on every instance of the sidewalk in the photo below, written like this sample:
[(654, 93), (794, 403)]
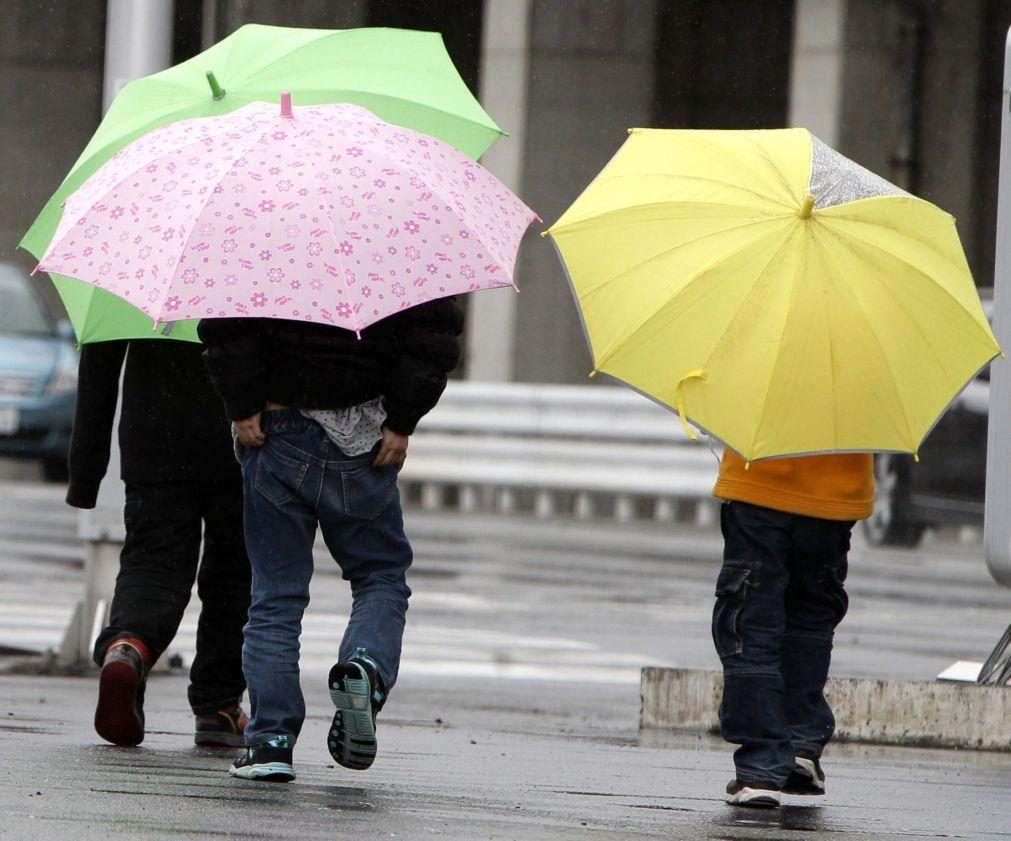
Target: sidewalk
[(517, 712), (458, 760)]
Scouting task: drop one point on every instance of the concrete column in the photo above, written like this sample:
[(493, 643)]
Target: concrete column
[(138, 42), (505, 53), (592, 71), (816, 67)]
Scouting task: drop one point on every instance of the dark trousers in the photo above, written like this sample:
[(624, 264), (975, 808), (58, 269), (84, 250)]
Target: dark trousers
[(158, 565), (779, 597)]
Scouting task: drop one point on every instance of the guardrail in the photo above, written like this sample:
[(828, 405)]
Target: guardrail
[(558, 450), (549, 450)]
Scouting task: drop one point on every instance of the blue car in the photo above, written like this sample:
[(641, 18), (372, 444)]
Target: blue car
[(38, 376)]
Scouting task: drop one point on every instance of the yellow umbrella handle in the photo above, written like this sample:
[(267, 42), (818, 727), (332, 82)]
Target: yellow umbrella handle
[(691, 375)]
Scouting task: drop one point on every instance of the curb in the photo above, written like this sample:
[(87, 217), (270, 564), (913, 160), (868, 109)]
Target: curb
[(890, 712)]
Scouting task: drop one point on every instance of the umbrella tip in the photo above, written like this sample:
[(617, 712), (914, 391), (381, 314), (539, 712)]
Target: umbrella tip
[(286, 104), (216, 90), (805, 211)]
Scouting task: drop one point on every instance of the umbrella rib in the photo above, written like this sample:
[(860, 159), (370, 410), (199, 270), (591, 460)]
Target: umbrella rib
[(730, 324), (671, 250), (333, 33), (779, 347), (333, 236), (701, 178), (779, 174), (877, 341), (603, 214), (700, 273), (452, 208), (197, 215), (841, 234), (726, 150)]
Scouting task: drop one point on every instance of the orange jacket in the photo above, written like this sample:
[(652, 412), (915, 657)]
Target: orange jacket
[(833, 487)]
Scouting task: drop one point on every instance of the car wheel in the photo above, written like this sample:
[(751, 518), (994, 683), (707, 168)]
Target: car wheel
[(55, 470), (891, 524)]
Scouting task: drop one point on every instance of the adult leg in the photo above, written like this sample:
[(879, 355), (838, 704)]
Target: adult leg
[(816, 602), (223, 584), (748, 623), (157, 567), (280, 529)]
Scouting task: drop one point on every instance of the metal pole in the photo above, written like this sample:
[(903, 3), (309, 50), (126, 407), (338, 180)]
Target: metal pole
[(997, 507)]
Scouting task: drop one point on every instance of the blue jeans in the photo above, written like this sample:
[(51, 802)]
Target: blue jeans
[(297, 480), (779, 597)]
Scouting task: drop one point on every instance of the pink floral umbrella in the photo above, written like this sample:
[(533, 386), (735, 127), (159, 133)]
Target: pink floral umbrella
[(323, 213)]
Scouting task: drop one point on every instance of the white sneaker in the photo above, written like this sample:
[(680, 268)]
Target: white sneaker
[(753, 794)]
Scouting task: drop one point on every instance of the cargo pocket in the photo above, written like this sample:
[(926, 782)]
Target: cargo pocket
[(278, 476), (731, 590)]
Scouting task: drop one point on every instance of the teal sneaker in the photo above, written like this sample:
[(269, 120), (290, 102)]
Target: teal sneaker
[(267, 762), (355, 692)]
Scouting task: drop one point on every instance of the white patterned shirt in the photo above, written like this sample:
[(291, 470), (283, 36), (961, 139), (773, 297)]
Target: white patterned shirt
[(355, 429)]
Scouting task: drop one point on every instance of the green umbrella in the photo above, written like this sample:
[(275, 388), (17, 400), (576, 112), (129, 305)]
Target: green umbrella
[(403, 76)]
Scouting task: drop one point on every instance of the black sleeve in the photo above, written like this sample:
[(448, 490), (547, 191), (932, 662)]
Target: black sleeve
[(94, 412), (425, 347), (237, 363)]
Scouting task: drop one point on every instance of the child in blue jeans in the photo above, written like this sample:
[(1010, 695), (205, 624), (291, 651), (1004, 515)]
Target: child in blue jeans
[(780, 595), (322, 419)]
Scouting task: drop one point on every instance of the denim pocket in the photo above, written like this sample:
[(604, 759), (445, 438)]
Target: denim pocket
[(731, 590), (278, 476), (368, 490)]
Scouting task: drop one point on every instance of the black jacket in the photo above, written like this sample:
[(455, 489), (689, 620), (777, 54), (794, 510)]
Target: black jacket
[(171, 428), (405, 357)]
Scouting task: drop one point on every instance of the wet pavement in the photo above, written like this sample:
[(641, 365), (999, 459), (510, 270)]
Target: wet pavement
[(460, 759), (516, 716)]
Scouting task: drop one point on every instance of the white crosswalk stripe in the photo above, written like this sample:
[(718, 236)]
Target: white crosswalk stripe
[(449, 629)]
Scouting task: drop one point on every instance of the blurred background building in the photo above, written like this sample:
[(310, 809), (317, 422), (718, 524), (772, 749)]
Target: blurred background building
[(909, 88)]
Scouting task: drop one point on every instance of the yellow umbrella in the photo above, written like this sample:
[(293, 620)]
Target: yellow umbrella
[(773, 292)]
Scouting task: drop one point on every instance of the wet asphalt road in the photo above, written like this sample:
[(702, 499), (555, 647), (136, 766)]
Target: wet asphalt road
[(516, 714), (461, 760)]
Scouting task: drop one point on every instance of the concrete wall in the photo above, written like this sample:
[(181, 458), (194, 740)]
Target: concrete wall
[(913, 107), (51, 57), (591, 78), (222, 17)]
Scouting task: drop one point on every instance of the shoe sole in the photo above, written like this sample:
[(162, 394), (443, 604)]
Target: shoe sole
[(754, 798), (266, 772), (219, 740), (804, 782), (116, 718), (352, 737)]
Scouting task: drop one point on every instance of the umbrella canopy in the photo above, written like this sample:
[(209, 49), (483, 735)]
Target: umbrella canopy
[(405, 77), (775, 293), (321, 213)]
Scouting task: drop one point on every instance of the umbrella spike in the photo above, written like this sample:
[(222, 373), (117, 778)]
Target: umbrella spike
[(217, 92)]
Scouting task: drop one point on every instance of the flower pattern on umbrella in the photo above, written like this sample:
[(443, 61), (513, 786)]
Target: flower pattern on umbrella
[(330, 215)]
